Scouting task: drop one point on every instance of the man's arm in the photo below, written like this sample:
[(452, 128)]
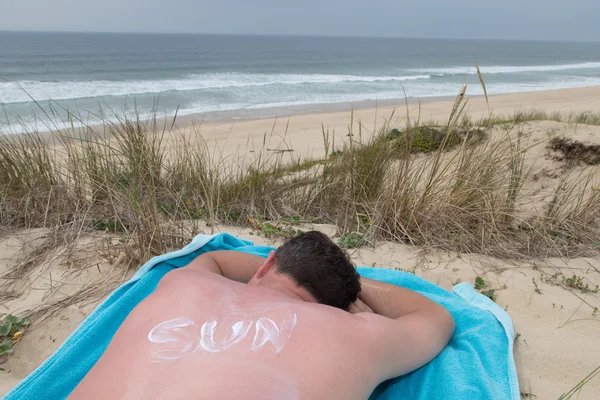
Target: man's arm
[(408, 330), (231, 264)]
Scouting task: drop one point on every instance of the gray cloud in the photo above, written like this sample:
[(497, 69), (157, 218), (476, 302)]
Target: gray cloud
[(509, 19)]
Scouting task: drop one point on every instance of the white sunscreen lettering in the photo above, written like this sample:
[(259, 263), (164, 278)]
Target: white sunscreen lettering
[(239, 330), (179, 337), (176, 337), (268, 331)]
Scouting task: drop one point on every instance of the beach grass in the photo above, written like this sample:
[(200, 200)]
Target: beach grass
[(446, 186), (584, 117), (450, 186)]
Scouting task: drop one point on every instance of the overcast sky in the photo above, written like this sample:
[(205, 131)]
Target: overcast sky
[(503, 19)]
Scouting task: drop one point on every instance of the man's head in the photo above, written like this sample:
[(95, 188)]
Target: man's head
[(319, 266)]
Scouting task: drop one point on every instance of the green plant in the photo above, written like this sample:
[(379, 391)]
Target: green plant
[(426, 139), (490, 293), (11, 330), (269, 230), (351, 240), (293, 219), (479, 283), (482, 286), (576, 282), (551, 279), (6, 347), (536, 287), (571, 282)]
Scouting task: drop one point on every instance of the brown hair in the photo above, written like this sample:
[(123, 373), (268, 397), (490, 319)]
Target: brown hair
[(320, 266)]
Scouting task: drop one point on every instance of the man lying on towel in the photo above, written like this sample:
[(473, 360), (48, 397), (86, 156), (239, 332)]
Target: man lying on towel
[(300, 324)]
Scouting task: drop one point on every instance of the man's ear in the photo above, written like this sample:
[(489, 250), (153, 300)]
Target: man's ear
[(269, 264)]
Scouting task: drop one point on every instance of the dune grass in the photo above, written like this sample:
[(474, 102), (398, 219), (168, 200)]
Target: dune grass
[(584, 117), (451, 186)]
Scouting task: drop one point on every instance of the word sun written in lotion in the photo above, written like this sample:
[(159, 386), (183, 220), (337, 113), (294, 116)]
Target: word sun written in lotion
[(179, 337)]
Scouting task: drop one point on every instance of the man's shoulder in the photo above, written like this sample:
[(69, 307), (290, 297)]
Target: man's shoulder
[(192, 271), (191, 277)]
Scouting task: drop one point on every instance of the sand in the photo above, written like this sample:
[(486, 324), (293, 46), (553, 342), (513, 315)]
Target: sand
[(558, 331), (304, 133)]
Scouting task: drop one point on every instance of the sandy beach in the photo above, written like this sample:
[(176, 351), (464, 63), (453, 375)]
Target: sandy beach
[(557, 326), (303, 132)]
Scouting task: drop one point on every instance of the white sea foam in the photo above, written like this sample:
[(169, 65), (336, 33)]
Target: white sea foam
[(414, 89), (70, 90), (506, 69)]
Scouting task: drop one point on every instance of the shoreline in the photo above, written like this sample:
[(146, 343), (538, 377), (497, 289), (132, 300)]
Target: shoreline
[(301, 134), (498, 102), (269, 113), (305, 109), (327, 108), (304, 132)]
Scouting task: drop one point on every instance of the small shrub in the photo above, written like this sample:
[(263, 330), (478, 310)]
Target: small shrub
[(572, 282), (352, 240), (576, 282), (269, 230), (427, 139)]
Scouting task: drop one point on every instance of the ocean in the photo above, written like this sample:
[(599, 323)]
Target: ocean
[(226, 76)]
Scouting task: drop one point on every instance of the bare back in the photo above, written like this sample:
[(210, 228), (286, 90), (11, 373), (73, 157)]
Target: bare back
[(203, 336)]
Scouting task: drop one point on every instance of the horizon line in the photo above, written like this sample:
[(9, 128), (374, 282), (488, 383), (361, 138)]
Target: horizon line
[(294, 35)]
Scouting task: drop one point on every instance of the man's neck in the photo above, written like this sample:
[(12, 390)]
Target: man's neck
[(287, 287)]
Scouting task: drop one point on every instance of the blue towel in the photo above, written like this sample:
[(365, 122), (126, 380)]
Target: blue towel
[(477, 364)]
